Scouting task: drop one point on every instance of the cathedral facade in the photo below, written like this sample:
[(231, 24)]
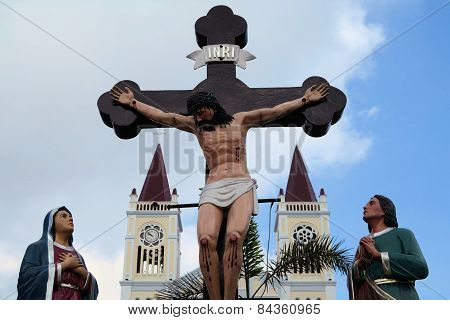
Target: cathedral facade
[(152, 241)]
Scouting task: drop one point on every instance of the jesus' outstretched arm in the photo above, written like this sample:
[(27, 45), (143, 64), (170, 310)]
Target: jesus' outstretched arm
[(264, 115), (175, 120)]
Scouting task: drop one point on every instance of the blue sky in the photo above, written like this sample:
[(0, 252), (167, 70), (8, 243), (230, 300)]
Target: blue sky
[(390, 140), (409, 157)]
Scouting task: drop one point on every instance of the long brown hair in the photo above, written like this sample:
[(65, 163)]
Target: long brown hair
[(208, 100)]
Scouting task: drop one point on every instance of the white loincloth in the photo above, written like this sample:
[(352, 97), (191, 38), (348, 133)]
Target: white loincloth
[(224, 192)]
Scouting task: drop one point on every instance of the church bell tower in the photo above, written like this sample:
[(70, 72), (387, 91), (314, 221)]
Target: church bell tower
[(152, 241), (301, 217)]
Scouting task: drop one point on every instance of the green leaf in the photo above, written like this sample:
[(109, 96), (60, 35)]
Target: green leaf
[(253, 257), (188, 287), (316, 255)]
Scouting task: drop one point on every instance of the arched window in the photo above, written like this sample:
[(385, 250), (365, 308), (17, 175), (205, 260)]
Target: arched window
[(150, 255), (138, 265), (161, 261)]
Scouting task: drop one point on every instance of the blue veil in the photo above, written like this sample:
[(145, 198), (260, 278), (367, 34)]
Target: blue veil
[(37, 271)]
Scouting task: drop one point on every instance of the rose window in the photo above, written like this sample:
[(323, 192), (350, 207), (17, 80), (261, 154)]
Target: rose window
[(304, 233), (152, 235)]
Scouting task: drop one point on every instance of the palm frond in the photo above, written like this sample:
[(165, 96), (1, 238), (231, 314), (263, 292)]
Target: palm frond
[(316, 255), (253, 255), (187, 287)]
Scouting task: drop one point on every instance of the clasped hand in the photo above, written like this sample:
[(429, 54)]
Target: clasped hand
[(367, 251), (71, 262)]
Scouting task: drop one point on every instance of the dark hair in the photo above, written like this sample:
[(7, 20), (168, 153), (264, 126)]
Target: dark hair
[(388, 207), (207, 99), (52, 231)]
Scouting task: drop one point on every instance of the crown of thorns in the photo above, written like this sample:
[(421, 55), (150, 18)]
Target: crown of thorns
[(202, 99)]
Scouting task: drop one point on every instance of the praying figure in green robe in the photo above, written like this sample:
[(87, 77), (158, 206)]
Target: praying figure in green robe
[(389, 260)]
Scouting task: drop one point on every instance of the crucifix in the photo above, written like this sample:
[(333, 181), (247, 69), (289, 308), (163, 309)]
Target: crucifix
[(220, 111)]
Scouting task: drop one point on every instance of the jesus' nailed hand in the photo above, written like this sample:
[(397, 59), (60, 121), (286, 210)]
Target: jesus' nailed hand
[(229, 186)]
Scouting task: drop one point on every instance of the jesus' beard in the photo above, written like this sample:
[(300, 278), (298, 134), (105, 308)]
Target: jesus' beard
[(209, 125)]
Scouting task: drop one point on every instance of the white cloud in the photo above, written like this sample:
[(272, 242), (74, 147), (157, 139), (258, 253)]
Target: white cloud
[(354, 30), (369, 113), (10, 262), (55, 148), (343, 147), (9, 271), (107, 270), (372, 112)]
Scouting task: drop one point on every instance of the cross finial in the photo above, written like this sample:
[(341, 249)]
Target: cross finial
[(221, 25)]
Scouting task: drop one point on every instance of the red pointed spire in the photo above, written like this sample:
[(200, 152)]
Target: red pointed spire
[(299, 186), (156, 185)]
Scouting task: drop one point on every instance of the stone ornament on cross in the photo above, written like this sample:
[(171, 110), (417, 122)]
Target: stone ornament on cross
[(222, 27)]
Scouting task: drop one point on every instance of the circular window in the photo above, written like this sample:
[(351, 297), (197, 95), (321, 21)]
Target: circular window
[(152, 235), (304, 233)]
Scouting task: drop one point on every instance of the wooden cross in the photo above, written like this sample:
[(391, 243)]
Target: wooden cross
[(222, 35)]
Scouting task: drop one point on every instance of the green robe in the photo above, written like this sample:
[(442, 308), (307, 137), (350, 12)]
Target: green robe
[(405, 263)]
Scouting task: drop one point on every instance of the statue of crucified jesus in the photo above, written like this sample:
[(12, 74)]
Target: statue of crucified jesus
[(229, 187)]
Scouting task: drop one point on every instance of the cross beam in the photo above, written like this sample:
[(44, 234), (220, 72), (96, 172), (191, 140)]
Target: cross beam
[(222, 27), (195, 205), (222, 35)]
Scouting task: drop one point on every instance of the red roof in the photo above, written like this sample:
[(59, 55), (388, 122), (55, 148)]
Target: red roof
[(156, 185), (299, 186)]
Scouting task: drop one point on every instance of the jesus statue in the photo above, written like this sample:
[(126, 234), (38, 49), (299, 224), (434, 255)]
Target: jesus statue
[(229, 187)]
